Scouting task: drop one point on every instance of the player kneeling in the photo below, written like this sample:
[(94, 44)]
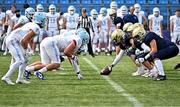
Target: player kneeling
[(50, 49), (160, 49), (17, 43)]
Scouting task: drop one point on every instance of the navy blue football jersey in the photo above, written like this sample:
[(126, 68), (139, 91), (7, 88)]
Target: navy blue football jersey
[(161, 43)]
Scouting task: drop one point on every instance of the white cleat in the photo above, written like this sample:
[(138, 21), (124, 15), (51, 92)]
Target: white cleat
[(7, 80), (22, 82), (147, 74)]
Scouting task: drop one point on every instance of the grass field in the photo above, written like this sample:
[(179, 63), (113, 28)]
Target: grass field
[(119, 89)]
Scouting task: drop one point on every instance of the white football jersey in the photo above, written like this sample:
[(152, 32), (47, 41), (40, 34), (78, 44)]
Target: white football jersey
[(10, 14), (19, 33), (23, 20), (156, 23), (53, 18), (64, 41), (176, 21), (103, 22), (94, 23), (140, 16), (72, 20)]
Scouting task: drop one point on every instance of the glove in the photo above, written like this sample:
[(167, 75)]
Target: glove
[(79, 76), (139, 60)]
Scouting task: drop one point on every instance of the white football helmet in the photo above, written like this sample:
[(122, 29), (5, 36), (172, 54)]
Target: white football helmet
[(137, 7), (114, 5), (83, 35), (103, 11), (71, 10), (94, 13), (40, 18), (29, 12), (156, 11), (123, 10), (39, 8), (52, 8)]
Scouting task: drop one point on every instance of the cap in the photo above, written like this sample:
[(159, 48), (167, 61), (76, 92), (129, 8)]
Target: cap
[(178, 9), (83, 10)]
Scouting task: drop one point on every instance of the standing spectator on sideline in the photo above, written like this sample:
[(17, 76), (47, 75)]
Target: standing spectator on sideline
[(131, 17), (2, 19), (85, 22), (174, 29)]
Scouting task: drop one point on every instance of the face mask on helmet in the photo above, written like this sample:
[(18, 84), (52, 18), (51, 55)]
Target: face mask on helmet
[(94, 16), (52, 10), (156, 13), (71, 12)]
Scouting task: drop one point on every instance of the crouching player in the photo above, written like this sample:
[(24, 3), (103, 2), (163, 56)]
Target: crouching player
[(17, 43), (50, 49), (160, 49)]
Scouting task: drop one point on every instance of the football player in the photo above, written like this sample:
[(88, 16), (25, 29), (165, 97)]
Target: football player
[(52, 21), (104, 26), (17, 43), (174, 29), (140, 14), (71, 19), (2, 20), (50, 49), (160, 49), (155, 22), (36, 41), (29, 12), (95, 24)]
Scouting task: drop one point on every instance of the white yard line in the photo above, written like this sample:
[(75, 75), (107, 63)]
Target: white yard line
[(116, 86)]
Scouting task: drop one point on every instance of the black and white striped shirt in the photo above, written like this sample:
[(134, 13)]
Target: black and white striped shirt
[(85, 22)]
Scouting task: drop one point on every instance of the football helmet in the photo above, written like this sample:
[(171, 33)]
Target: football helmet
[(137, 7), (83, 35), (156, 11), (113, 5), (103, 11), (94, 13), (138, 32), (71, 10), (29, 12), (39, 8), (126, 26), (123, 10), (117, 35), (52, 8), (40, 18)]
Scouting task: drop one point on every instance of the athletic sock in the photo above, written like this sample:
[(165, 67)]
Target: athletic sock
[(159, 67)]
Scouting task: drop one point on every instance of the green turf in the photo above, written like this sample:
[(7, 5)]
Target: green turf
[(63, 89)]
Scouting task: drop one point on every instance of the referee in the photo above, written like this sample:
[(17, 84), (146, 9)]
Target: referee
[(85, 22)]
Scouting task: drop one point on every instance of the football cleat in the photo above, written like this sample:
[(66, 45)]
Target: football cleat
[(7, 80), (106, 70), (27, 74), (39, 75), (160, 78), (177, 66), (22, 82)]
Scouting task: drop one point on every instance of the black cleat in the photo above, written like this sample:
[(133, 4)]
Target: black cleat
[(177, 66), (160, 78)]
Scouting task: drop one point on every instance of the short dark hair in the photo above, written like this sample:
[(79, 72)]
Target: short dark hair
[(16, 11), (26, 6), (178, 9)]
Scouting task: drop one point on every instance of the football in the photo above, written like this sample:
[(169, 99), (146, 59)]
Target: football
[(106, 70)]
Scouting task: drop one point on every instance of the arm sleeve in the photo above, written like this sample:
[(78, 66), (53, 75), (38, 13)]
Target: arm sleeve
[(118, 57)]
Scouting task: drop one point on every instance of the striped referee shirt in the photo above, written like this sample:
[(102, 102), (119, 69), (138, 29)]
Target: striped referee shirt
[(85, 22)]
